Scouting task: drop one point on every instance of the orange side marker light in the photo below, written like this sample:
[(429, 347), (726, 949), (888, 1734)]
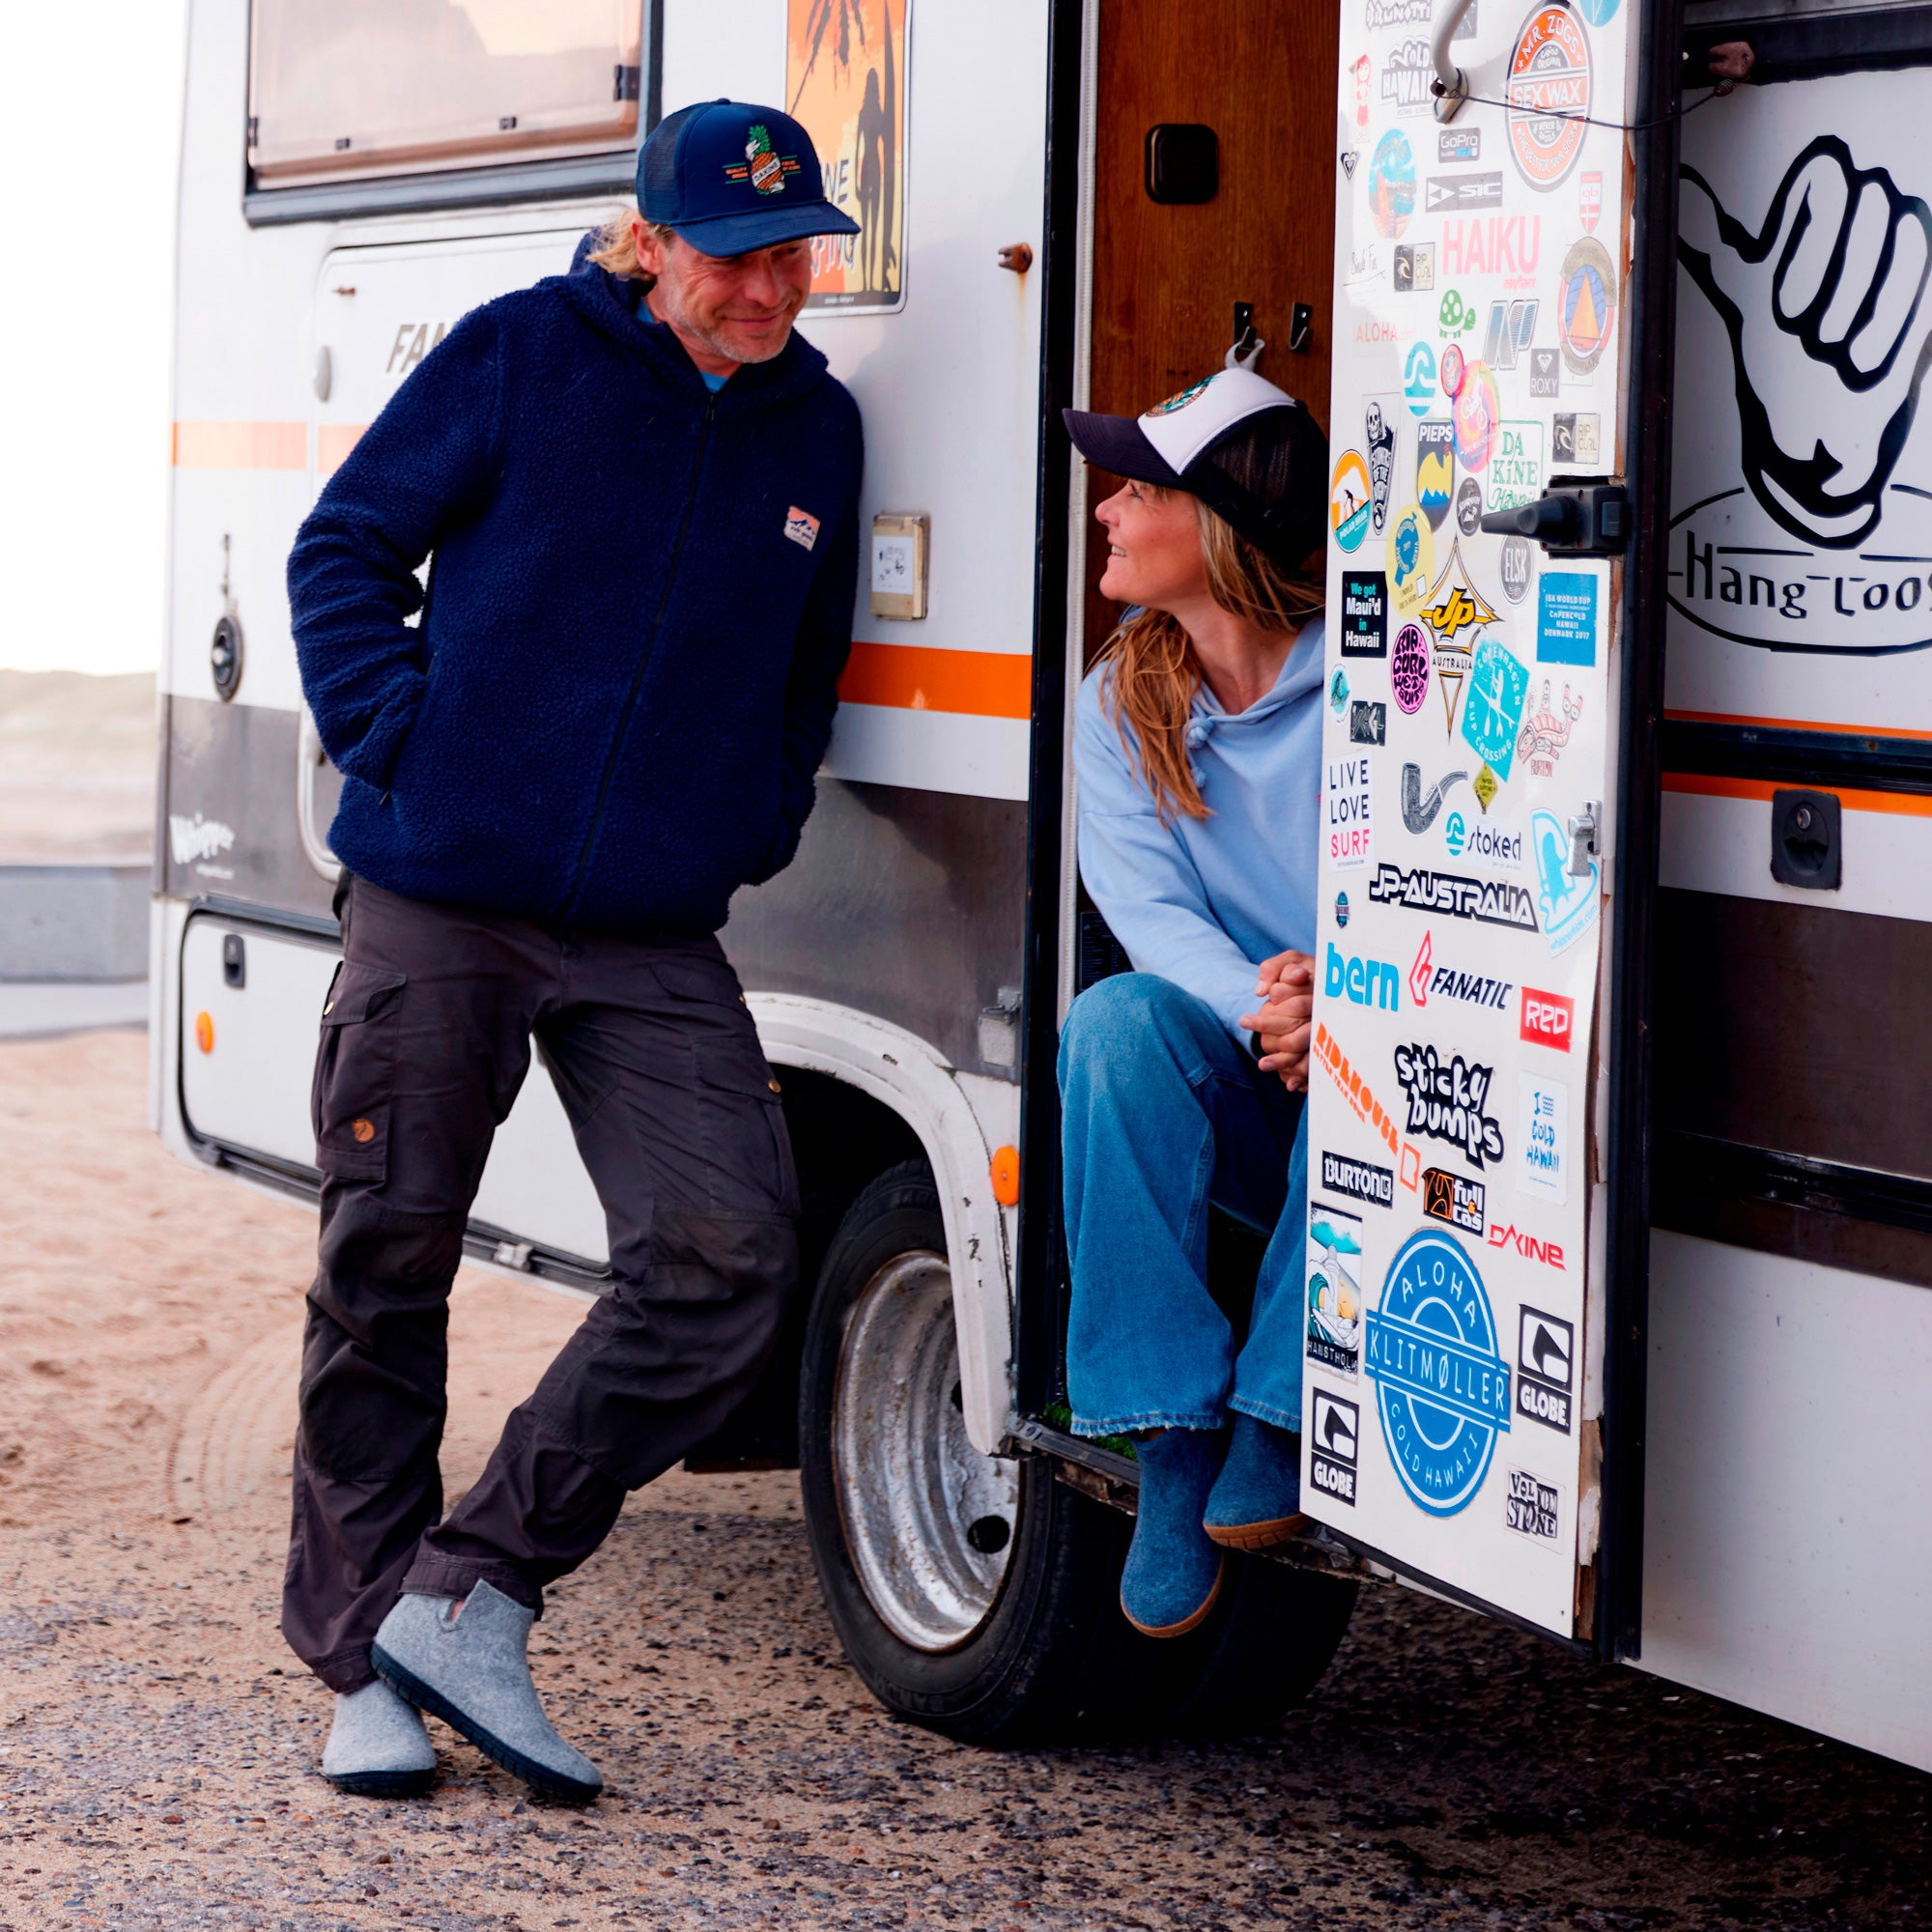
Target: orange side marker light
[(1007, 1175), (203, 1032)]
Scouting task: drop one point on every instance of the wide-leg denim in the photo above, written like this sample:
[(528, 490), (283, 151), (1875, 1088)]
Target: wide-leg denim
[(1163, 1114)]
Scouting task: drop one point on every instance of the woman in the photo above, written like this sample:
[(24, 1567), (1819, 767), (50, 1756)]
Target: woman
[(1198, 748)]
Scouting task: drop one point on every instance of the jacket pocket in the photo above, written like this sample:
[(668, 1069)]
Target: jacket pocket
[(355, 1072)]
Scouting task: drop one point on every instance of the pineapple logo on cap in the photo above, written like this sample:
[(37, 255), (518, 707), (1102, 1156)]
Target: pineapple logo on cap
[(762, 168)]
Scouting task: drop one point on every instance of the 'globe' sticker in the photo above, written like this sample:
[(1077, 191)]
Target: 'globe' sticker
[(1442, 1388)]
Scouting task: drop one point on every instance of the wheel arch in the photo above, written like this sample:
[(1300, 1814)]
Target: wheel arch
[(900, 1070)]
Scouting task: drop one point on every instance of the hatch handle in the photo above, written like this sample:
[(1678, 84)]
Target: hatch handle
[(1569, 520)]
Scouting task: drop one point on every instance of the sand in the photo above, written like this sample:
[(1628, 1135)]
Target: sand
[(158, 1747)]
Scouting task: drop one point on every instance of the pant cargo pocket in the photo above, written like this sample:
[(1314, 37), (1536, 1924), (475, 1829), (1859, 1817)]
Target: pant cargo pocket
[(355, 1071)]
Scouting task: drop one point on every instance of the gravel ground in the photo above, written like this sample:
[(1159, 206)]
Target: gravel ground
[(158, 1749)]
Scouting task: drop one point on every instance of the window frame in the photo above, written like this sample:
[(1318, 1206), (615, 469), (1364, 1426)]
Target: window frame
[(517, 177)]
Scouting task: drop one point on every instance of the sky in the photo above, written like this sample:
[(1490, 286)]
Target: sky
[(89, 152)]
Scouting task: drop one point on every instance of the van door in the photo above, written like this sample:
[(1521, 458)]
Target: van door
[(1476, 1209)]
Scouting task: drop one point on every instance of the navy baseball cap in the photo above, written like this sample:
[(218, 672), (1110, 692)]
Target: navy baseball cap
[(729, 178), (1175, 443)]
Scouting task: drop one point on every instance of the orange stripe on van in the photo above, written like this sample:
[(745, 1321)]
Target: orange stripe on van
[(1793, 724), (240, 445), (915, 677), (1911, 804), (333, 443)]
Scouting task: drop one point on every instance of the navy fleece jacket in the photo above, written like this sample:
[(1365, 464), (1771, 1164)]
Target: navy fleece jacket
[(640, 603)]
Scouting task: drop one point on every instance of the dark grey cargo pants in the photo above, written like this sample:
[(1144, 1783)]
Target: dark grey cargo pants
[(425, 1040)]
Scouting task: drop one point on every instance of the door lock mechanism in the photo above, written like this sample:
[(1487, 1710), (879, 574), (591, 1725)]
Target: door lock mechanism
[(1583, 841), (1569, 520)]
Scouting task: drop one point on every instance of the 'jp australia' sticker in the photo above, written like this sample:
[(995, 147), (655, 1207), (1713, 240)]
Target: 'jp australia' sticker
[(1442, 1388)]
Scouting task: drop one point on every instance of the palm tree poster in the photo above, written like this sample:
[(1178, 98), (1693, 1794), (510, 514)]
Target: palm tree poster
[(845, 83)]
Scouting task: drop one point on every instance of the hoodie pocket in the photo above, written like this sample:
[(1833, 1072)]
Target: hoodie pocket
[(355, 1072)]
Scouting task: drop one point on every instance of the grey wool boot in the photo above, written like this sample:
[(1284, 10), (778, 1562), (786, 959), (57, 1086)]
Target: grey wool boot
[(473, 1672), (377, 1745)]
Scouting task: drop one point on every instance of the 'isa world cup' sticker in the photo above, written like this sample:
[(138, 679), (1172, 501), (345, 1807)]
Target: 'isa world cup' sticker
[(1442, 1388)]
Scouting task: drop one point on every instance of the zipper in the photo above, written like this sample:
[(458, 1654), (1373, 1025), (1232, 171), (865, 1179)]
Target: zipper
[(644, 658)]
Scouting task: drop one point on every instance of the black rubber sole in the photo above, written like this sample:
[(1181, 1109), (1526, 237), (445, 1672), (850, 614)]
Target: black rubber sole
[(384, 1783), (540, 1778)]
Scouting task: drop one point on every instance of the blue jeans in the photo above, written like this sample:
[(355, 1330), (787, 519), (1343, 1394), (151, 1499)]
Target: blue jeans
[(1163, 1114)]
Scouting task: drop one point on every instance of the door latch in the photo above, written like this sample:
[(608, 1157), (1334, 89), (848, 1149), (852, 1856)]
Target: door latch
[(1569, 520), (1584, 830)]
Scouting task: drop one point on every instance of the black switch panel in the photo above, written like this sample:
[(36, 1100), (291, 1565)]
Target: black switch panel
[(1183, 162), (1806, 845), (233, 959)]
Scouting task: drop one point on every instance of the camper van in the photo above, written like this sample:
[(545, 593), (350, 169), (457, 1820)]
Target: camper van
[(1616, 315)]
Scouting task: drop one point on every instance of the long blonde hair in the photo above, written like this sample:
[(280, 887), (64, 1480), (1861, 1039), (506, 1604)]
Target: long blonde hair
[(1155, 673), (616, 249)]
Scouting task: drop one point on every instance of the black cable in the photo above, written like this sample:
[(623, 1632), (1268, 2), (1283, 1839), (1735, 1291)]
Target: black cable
[(1588, 119)]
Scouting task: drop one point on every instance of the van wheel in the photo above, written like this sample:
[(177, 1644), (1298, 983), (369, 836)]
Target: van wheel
[(973, 1593), (1270, 1638), (979, 1595)]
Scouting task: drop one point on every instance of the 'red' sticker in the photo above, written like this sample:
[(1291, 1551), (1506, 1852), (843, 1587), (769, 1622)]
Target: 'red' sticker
[(1545, 1019), (801, 527)]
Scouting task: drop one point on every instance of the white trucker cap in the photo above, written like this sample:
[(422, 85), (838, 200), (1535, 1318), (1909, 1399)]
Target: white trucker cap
[(1174, 444)]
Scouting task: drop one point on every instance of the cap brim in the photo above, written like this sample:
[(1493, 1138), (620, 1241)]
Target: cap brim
[(1118, 446), (764, 227)]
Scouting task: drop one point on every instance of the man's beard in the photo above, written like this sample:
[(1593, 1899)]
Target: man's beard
[(716, 340)]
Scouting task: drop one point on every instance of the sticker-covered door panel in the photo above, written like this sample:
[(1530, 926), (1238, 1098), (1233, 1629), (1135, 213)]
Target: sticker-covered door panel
[(1479, 270)]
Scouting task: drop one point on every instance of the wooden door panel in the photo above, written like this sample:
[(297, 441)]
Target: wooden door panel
[(1262, 74)]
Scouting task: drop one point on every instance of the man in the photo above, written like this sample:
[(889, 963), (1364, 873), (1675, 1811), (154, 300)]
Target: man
[(639, 490)]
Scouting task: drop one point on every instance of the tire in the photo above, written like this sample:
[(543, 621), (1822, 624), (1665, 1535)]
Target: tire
[(988, 1645), (1272, 1636), (980, 1596)]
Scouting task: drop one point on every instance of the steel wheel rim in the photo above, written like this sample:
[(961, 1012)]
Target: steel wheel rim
[(919, 1503)]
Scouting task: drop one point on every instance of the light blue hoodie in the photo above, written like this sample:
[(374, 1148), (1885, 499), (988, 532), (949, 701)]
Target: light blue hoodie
[(1203, 901)]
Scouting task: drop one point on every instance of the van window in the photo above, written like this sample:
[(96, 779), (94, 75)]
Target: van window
[(346, 86)]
